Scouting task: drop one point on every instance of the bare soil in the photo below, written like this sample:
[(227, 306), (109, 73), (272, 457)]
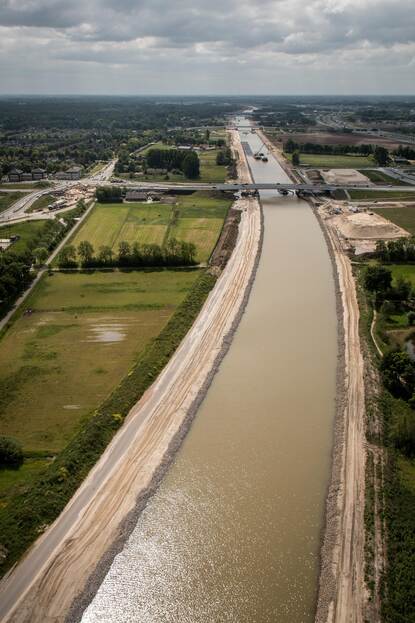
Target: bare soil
[(327, 138), (344, 176)]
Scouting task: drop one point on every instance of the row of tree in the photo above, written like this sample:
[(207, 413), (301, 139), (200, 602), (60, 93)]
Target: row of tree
[(173, 253), (174, 159), (291, 146)]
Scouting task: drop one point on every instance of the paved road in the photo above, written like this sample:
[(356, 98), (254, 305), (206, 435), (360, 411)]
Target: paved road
[(265, 186)]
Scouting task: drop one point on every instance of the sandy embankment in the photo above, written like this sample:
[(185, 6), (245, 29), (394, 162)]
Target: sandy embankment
[(43, 586), (341, 586)]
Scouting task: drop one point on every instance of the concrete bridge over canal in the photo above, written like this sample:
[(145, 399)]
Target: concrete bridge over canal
[(283, 188)]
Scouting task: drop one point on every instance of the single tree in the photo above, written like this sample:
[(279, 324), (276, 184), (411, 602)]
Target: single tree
[(67, 257), (191, 166), (296, 158), (377, 279), (381, 156), (105, 255), (11, 453), (41, 254), (85, 252), (124, 253)]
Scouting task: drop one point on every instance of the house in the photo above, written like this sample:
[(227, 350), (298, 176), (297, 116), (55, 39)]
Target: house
[(38, 174), (152, 196), (26, 177), (14, 175), (62, 175), (75, 173), (136, 195)]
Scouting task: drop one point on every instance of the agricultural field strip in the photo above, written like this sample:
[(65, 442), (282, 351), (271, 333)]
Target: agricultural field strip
[(200, 223)]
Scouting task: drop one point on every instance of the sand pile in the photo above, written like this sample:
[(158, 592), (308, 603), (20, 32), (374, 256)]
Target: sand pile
[(365, 226), (344, 176)]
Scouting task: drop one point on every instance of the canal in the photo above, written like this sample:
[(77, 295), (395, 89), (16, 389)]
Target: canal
[(233, 533)]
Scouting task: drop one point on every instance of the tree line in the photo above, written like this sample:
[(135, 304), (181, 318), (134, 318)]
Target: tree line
[(174, 159), (291, 146), (401, 250), (173, 253)]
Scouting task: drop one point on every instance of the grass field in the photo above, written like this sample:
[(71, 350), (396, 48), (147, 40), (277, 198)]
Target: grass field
[(379, 177), (407, 271), (196, 218), (135, 222), (59, 363), (404, 217), (27, 231), (322, 161), (6, 199), (382, 194)]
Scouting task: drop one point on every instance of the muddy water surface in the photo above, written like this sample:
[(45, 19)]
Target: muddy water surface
[(233, 532)]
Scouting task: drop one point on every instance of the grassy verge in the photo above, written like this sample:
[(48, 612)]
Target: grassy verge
[(392, 195), (379, 177), (399, 586), (29, 512), (41, 203), (26, 185), (7, 199)]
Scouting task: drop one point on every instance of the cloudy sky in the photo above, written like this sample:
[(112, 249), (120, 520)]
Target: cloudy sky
[(207, 46)]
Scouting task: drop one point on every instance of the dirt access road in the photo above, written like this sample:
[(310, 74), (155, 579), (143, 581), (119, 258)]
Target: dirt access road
[(42, 587), (342, 587)]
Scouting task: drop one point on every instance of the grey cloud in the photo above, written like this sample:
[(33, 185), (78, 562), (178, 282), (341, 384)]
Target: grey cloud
[(208, 33)]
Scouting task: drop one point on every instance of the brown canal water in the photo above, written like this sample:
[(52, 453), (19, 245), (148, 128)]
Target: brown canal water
[(233, 533)]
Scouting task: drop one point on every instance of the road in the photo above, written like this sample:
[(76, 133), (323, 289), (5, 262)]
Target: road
[(43, 585), (291, 187)]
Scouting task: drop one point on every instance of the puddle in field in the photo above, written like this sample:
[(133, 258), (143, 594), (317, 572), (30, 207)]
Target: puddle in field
[(107, 333), (71, 407)]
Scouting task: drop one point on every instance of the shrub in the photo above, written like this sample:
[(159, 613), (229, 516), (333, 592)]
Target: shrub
[(11, 453)]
